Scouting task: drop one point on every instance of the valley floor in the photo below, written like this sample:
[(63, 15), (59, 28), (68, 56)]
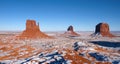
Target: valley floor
[(84, 49)]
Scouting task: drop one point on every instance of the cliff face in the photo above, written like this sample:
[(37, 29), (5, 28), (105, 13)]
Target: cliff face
[(103, 29), (32, 31), (31, 25)]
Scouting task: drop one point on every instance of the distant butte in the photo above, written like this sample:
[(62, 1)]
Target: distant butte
[(103, 29), (70, 32), (32, 31)]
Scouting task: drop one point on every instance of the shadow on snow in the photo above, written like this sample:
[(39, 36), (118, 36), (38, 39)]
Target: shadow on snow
[(106, 43)]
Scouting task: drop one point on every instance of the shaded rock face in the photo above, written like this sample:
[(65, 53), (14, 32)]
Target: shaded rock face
[(70, 32), (32, 31), (103, 29), (70, 28)]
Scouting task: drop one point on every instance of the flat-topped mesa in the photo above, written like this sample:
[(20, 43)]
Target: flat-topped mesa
[(32, 31), (70, 32), (103, 29)]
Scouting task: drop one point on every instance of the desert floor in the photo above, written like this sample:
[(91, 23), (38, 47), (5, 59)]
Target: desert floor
[(60, 49)]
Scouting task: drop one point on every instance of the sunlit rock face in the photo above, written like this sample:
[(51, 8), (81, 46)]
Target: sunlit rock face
[(31, 25), (70, 31), (103, 29), (32, 31)]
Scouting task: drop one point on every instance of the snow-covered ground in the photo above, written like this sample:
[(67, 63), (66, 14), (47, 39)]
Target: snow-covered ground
[(60, 50)]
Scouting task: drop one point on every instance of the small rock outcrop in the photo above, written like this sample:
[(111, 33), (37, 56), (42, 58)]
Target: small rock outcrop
[(103, 30), (70, 28), (32, 31), (70, 32)]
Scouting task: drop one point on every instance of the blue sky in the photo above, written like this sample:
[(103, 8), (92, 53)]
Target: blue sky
[(57, 15)]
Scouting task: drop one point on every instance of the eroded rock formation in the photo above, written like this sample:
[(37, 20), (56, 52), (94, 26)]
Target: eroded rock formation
[(70, 31), (32, 31), (70, 28), (103, 29)]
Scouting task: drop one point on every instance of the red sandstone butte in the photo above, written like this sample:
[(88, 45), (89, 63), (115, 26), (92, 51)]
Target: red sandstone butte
[(103, 29), (32, 31), (70, 32)]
